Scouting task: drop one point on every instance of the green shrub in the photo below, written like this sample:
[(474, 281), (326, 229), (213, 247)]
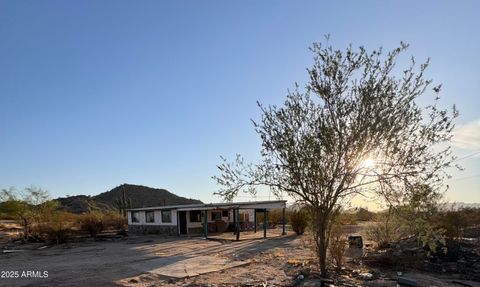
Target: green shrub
[(299, 221)]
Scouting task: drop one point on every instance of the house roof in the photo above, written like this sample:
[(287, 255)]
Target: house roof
[(222, 205)]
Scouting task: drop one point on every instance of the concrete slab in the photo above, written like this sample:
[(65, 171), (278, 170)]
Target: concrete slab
[(187, 267)]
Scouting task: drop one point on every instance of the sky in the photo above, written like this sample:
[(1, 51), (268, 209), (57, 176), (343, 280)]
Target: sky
[(94, 94)]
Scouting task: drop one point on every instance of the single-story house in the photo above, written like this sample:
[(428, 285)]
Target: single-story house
[(195, 219)]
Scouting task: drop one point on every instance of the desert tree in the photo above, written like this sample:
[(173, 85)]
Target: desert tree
[(356, 127), (27, 206)]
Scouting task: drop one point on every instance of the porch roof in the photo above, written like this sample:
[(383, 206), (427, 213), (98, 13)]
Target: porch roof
[(268, 204)]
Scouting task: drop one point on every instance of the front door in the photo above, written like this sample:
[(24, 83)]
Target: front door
[(183, 222)]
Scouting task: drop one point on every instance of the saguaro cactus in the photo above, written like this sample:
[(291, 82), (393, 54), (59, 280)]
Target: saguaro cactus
[(123, 203)]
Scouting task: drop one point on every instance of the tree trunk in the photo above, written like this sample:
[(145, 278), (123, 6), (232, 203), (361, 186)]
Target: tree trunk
[(322, 242), (25, 228)]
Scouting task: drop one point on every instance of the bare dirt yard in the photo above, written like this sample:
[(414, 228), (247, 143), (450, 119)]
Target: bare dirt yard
[(147, 261), (173, 261)]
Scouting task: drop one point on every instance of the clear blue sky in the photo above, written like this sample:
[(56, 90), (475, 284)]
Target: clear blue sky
[(98, 93)]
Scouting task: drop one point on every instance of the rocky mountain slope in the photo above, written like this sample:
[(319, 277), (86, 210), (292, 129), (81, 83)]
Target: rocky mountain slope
[(140, 196)]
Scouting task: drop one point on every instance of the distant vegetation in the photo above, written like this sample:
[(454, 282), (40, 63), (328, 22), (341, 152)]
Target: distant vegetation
[(56, 221)]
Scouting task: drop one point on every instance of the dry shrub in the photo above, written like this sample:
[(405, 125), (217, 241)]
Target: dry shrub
[(455, 222), (348, 218), (92, 223), (363, 214), (114, 221), (337, 245), (385, 230), (274, 217), (299, 221), (56, 227)]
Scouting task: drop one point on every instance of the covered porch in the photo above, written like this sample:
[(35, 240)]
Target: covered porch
[(221, 220)]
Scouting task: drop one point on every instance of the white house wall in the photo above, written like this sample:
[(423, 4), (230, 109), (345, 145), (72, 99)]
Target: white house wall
[(158, 218)]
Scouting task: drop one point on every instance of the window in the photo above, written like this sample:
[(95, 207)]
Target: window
[(150, 216), (135, 216), (216, 215), (243, 217), (166, 216), (195, 216), (225, 213)]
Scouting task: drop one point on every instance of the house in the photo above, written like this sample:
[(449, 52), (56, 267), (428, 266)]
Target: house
[(200, 219)]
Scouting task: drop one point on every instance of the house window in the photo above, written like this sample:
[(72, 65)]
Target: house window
[(243, 217), (166, 216), (135, 216), (150, 216), (225, 213), (217, 215), (195, 216)]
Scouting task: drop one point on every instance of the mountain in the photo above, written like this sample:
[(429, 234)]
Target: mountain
[(459, 205), (141, 196)]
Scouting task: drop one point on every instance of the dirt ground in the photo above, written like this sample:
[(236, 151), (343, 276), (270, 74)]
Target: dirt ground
[(143, 261), (171, 261)]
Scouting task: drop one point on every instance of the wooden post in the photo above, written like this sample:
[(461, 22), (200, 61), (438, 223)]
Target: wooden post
[(234, 221), (238, 224), (178, 223), (265, 222), (205, 223), (283, 222), (254, 221)]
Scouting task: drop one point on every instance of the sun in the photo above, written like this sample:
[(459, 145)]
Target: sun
[(368, 163)]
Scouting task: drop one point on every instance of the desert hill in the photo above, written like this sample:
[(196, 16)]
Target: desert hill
[(141, 196)]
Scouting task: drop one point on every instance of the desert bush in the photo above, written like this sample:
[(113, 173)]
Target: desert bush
[(472, 216), (337, 245), (55, 226), (433, 240), (385, 230), (275, 217), (57, 229), (26, 207), (454, 222), (363, 214), (114, 221), (299, 221), (92, 223), (347, 218)]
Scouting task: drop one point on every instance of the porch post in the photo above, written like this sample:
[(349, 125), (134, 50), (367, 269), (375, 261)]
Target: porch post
[(237, 225), (234, 221), (178, 223), (265, 222), (283, 222), (254, 221), (205, 223)]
